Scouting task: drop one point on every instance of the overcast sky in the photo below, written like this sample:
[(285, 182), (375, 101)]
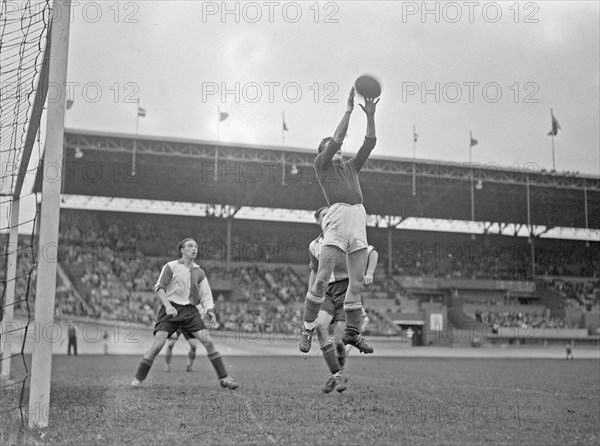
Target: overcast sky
[(492, 68)]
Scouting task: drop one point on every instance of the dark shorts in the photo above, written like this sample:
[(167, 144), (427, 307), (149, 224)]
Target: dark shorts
[(334, 300), (186, 334), (188, 319)]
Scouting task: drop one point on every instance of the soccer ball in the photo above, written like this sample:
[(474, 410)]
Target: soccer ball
[(367, 86)]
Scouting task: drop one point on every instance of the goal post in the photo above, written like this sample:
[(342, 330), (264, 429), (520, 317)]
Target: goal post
[(7, 327), (41, 361)]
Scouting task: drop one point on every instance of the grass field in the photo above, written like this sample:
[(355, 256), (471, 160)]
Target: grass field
[(389, 401)]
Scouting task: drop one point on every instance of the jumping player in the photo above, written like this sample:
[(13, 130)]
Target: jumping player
[(331, 311), (372, 259), (182, 287), (191, 354), (331, 315), (345, 234)]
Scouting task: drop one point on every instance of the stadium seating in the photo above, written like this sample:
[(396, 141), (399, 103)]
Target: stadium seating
[(111, 262)]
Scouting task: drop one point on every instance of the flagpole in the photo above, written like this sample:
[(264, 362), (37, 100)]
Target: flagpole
[(137, 124), (414, 179), (553, 133), (553, 161), (283, 129), (471, 169), (218, 123), (216, 170), (585, 211), (283, 161), (531, 235)]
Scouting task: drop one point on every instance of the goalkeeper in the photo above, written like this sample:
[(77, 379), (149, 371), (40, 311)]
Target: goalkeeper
[(183, 290)]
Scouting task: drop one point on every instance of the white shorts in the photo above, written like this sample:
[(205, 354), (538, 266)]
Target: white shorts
[(346, 227)]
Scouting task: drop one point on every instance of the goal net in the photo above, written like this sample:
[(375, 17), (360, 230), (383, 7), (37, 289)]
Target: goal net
[(24, 28)]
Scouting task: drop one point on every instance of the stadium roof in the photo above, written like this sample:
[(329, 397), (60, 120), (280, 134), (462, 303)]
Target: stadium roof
[(100, 164)]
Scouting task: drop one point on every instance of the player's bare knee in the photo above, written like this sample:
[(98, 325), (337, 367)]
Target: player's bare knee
[(355, 287), (322, 328), (153, 351), (207, 342), (160, 339), (321, 334), (320, 284)]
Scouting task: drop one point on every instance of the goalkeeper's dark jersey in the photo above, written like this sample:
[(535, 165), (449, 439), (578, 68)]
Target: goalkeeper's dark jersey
[(339, 179)]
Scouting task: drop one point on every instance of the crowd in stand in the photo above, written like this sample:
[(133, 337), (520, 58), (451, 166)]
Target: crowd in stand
[(578, 293), (263, 317), (495, 262), (502, 266), (128, 234), (25, 277), (380, 323), (584, 262), (114, 260), (521, 320)]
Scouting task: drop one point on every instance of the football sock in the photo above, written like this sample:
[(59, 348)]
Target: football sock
[(353, 321), (341, 353), (331, 358), (143, 369), (309, 326), (168, 356), (312, 305), (217, 363)]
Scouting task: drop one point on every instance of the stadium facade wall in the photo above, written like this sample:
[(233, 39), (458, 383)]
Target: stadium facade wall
[(530, 309)]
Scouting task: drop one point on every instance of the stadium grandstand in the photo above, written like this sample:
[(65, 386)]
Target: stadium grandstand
[(250, 208)]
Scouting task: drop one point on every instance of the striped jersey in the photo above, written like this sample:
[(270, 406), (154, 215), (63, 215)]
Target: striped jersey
[(185, 285)]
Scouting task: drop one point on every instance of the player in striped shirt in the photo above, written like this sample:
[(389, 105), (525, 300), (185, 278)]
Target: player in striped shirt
[(183, 288)]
